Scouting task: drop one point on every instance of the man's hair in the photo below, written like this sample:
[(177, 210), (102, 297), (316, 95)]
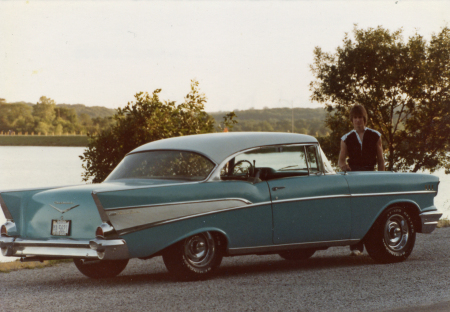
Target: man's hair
[(358, 111)]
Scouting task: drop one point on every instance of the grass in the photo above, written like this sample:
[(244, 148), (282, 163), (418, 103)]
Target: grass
[(43, 140), (6, 267), (443, 223)]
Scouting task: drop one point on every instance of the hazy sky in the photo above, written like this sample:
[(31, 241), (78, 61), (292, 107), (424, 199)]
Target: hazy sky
[(244, 53)]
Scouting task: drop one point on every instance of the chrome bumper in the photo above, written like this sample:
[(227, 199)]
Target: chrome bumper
[(429, 221), (63, 248)]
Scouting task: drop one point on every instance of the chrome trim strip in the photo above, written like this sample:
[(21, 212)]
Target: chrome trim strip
[(394, 193), (274, 248), (180, 203), (310, 198), (154, 224), (131, 218), (5, 209), (351, 195)]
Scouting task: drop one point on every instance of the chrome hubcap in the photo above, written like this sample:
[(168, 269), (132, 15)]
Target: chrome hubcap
[(199, 249), (396, 232)]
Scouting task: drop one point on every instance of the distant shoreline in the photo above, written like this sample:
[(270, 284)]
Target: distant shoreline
[(41, 140)]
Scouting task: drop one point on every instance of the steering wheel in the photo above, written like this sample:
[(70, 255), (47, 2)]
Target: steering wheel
[(243, 161)]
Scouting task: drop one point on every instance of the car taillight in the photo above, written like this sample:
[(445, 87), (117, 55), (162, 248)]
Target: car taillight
[(3, 230), (99, 232)]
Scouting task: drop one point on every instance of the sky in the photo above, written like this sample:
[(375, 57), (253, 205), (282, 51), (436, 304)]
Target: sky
[(245, 54)]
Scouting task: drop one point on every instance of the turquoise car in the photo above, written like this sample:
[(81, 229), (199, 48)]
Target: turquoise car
[(196, 199)]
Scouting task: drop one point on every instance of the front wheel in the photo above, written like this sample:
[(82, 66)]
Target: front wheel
[(392, 237), (194, 257), (297, 254), (102, 268)]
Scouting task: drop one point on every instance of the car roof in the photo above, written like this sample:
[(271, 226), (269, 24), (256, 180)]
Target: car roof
[(218, 146)]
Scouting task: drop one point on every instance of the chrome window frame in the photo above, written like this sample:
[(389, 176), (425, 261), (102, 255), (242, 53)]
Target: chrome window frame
[(215, 176)]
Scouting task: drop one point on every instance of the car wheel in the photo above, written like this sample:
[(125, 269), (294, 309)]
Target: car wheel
[(297, 254), (194, 257), (102, 268), (392, 237)]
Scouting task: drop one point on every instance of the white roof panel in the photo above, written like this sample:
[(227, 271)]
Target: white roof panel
[(218, 146)]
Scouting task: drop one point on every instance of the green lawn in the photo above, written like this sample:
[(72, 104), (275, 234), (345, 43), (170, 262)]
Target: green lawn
[(41, 140)]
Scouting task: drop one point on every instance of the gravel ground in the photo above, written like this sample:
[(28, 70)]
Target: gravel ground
[(330, 281)]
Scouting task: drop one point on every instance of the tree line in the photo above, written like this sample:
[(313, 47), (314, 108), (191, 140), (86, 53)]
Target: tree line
[(45, 117), (306, 120), (48, 117)]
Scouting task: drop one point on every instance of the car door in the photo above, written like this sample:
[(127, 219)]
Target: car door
[(307, 205)]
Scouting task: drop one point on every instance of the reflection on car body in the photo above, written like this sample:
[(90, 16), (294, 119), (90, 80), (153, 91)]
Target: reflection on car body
[(195, 199)]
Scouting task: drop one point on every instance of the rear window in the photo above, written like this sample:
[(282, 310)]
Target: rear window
[(177, 165)]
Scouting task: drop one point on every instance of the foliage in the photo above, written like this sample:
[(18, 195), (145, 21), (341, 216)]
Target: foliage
[(47, 117), (306, 120), (403, 85), (145, 120)]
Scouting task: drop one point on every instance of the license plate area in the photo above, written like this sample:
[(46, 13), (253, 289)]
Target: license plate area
[(61, 227)]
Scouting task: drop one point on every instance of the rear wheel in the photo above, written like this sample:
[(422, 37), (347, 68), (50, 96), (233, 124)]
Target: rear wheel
[(297, 254), (194, 257), (392, 237), (102, 268)]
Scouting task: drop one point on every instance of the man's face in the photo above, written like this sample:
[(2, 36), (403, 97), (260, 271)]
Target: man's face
[(358, 122)]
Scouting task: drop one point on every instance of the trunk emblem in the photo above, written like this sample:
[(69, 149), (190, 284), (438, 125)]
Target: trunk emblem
[(62, 203)]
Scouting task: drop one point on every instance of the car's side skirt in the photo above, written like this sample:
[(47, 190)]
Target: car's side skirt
[(275, 248)]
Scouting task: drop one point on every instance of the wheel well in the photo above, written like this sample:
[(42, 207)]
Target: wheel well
[(413, 211), (222, 241)]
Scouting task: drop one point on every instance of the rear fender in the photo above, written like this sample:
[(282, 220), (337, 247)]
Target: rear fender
[(13, 204)]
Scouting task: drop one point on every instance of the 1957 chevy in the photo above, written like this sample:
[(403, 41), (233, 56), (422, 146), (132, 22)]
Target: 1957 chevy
[(195, 199)]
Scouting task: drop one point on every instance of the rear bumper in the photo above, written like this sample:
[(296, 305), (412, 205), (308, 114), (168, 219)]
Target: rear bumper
[(63, 248), (429, 221)]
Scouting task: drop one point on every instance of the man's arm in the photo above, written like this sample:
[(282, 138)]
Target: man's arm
[(380, 157), (343, 157)]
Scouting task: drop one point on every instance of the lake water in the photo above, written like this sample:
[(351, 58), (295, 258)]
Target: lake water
[(37, 166)]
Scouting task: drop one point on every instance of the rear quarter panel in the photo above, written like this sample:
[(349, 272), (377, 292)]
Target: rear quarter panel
[(150, 219)]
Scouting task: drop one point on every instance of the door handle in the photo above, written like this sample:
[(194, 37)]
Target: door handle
[(276, 188)]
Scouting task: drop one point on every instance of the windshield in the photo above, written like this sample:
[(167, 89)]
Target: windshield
[(177, 165)]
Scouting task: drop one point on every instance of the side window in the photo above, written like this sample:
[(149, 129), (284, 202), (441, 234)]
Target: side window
[(272, 162)]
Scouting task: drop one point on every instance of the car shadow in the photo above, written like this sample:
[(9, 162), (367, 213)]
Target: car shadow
[(229, 269), (281, 265)]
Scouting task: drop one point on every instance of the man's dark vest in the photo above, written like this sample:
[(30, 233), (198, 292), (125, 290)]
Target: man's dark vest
[(363, 158)]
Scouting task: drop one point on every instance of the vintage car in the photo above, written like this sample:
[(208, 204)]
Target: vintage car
[(195, 199)]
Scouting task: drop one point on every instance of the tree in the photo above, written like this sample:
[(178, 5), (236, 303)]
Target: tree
[(404, 87), (145, 120), (44, 110)]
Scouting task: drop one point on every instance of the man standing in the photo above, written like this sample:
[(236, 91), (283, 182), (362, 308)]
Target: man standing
[(363, 148)]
